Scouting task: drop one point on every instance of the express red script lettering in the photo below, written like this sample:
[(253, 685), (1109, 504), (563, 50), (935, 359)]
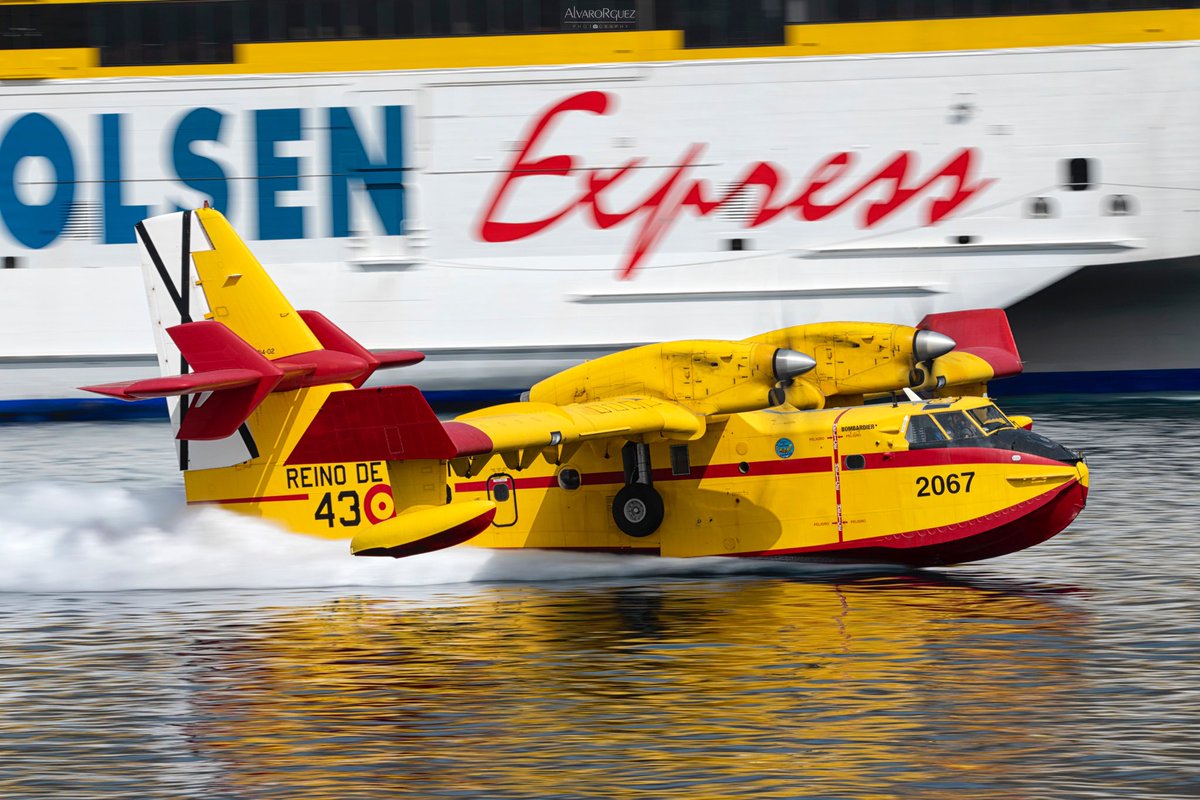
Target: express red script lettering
[(822, 192)]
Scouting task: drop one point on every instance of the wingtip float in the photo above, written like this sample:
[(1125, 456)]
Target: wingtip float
[(770, 447)]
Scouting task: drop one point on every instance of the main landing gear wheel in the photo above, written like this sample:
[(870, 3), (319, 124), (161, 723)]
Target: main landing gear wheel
[(638, 510)]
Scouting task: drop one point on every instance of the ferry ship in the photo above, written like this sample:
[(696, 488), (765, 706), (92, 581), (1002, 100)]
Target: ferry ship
[(513, 186)]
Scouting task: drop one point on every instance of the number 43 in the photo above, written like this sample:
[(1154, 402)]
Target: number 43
[(348, 501)]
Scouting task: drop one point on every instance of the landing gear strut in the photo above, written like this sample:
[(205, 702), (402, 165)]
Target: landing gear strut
[(638, 507)]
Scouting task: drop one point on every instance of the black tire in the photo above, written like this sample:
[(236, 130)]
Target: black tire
[(638, 510)]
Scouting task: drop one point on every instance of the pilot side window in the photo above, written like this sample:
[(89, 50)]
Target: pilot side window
[(956, 424), (990, 418), (922, 430)]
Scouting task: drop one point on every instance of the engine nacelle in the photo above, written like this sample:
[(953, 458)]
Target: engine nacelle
[(707, 376), (857, 358)]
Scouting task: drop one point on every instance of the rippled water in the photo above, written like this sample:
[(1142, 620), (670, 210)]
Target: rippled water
[(151, 653)]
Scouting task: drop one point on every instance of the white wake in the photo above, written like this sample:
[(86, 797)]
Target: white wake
[(61, 537)]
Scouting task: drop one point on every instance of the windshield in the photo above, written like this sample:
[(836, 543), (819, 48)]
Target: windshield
[(921, 430), (957, 425), (991, 419)]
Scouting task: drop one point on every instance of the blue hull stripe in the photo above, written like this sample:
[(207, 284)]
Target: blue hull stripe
[(1114, 382)]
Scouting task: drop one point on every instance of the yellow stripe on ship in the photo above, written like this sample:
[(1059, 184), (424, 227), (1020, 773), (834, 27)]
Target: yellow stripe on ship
[(461, 52)]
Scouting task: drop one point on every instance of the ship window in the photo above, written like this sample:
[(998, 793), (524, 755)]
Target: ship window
[(386, 19), (25, 26), (922, 430), (330, 23), (681, 464), (171, 33), (1120, 205), (956, 424), (1079, 174), (439, 19), (295, 21), (726, 23), (1040, 207), (261, 24), (514, 17), (990, 418)]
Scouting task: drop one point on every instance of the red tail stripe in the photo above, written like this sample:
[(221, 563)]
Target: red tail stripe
[(983, 332)]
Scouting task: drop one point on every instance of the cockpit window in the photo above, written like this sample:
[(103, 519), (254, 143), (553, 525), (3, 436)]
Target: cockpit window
[(921, 430), (957, 425), (990, 418)]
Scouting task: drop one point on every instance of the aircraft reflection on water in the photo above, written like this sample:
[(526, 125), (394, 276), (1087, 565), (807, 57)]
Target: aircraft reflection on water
[(609, 690)]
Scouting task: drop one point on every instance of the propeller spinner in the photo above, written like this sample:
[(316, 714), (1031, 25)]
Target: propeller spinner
[(928, 345), (792, 363)]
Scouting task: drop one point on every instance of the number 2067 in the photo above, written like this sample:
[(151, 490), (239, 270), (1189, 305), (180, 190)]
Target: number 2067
[(949, 484)]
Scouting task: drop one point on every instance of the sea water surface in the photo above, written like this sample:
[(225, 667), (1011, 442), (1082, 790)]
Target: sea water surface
[(151, 652)]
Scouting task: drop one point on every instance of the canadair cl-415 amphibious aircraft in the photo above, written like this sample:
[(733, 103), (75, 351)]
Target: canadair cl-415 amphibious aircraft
[(843, 441)]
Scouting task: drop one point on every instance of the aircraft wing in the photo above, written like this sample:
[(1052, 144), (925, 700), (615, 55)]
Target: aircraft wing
[(522, 431), (945, 354)]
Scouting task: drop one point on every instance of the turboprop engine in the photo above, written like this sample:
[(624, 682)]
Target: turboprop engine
[(705, 376), (963, 350)]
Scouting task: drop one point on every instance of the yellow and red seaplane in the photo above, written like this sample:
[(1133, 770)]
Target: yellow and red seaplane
[(848, 441)]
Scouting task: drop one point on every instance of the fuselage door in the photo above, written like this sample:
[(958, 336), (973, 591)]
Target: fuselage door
[(503, 492)]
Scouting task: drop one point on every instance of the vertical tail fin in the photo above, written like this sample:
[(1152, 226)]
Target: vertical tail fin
[(982, 332), (267, 406)]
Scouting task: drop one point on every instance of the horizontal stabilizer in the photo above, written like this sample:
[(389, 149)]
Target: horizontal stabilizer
[(178, 385), (334, 338), (424, 528), (982, 332), (230, 379), (389, 423)]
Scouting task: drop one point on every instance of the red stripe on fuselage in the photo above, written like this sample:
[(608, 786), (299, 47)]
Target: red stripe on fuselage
[(938, 456), (899, 459)]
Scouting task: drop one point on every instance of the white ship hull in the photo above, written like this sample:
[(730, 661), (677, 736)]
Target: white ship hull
[(884, 187)]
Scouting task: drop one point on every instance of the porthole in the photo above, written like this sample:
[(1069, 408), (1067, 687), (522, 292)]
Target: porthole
[(1118, 205), (569, 479), (855, 462), (744, 468), (1040, 207)]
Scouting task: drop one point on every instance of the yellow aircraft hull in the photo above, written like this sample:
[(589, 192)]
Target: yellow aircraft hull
[(749, 448), (767, 484), (741, 496)]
